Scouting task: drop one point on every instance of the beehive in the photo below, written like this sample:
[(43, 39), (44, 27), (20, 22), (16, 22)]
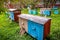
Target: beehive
[(37, 27), (55, 10), (33, 12), (45, 11), (14, 13)]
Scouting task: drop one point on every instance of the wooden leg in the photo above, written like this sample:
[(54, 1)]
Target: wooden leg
[(22, 31)]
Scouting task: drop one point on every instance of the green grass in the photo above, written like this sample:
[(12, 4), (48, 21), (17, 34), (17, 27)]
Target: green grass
[(9, 30)]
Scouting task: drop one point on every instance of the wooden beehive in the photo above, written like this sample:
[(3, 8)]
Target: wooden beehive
[(37, 27), (14, 13), (45, 11)]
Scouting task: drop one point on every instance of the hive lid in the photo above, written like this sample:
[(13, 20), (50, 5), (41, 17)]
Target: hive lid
[(37, 19), (12, 9)]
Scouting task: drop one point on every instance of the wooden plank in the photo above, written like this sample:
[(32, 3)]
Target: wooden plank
[(23, 25)]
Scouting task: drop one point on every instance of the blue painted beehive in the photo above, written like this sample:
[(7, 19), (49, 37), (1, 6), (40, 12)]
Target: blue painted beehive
[(37, 27), (34, 12), (56, 12), (30, 11), (13, 14), (46, 12)]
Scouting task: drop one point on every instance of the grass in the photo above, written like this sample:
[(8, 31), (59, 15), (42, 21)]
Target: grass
[(9, 30)]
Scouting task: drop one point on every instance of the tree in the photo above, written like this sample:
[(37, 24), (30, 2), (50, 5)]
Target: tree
[(2, 5), (48, 3), (27, 2)]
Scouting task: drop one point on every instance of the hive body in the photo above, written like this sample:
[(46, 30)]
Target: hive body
[(13, 14), (35, 30), (37, 27)]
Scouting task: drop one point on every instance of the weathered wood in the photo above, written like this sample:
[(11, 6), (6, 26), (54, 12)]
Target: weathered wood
[(47, 28), (23, 25), (37, 19)]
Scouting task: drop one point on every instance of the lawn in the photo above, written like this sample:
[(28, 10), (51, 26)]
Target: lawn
[(9, 30)]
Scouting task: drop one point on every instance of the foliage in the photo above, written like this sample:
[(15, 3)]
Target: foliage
[(48, 3)]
